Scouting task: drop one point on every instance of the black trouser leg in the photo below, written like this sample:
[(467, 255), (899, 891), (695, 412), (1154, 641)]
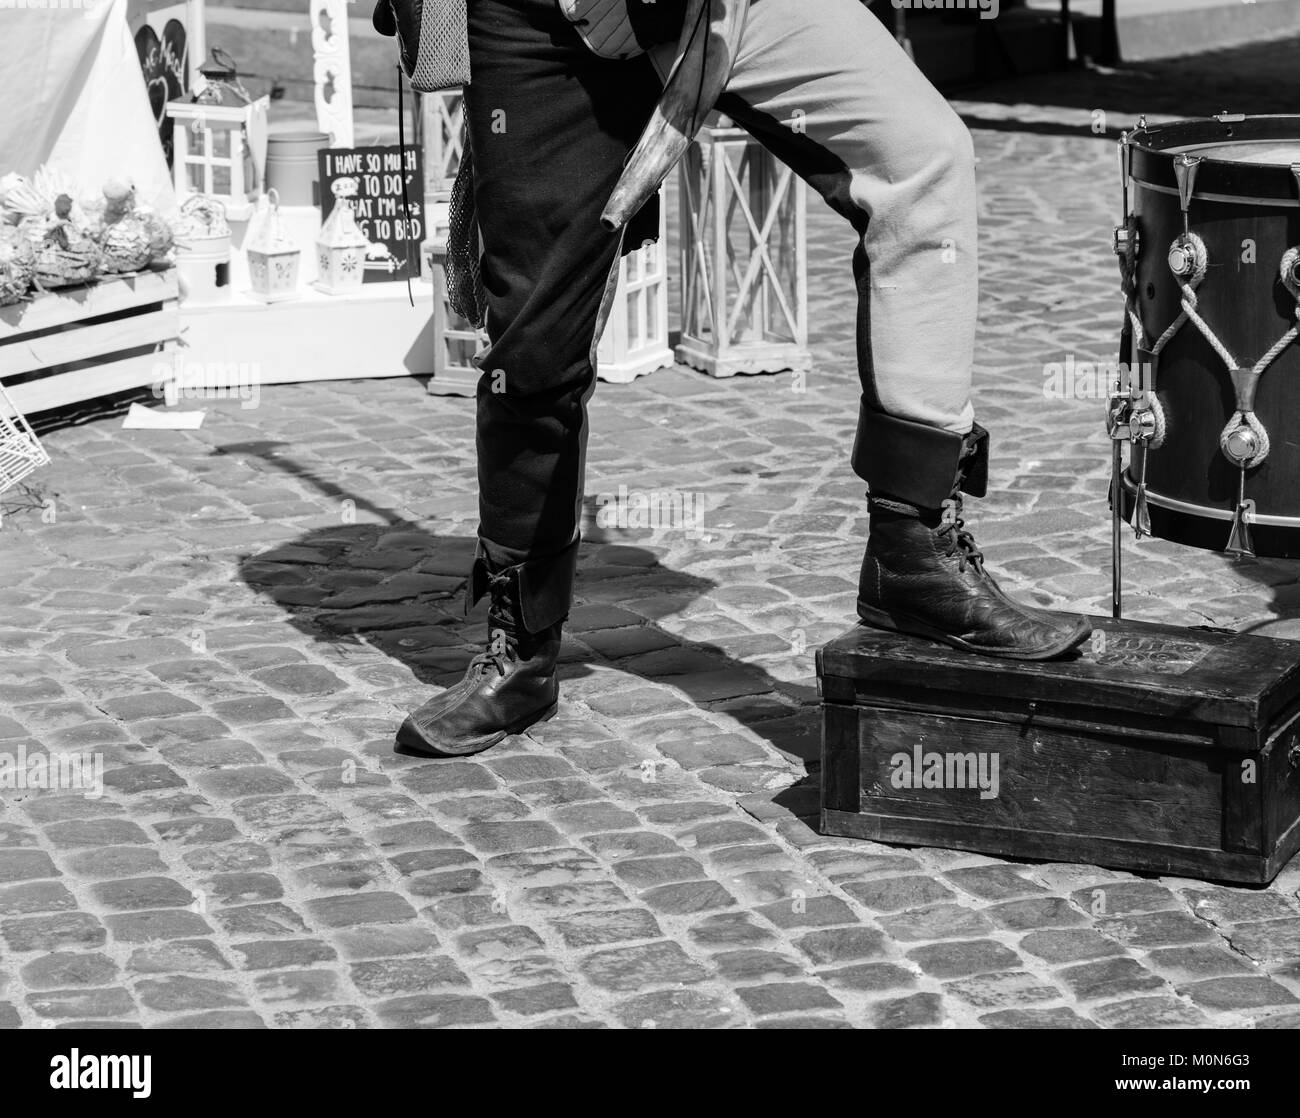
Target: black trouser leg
[(551, 125)]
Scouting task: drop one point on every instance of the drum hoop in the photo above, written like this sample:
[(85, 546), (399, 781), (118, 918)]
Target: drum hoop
[(1208, 512), (1151, 158), (1248, 128), (1211, 196)]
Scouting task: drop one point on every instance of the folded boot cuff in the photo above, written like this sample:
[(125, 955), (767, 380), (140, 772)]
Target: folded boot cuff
[(544, 585)]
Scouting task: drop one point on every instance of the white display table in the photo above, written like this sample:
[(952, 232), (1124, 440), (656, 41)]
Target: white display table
[(374, 332)]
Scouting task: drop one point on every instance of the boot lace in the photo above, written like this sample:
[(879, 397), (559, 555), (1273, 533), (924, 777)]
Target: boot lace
[(499, 652), (958, 541), (501, 649)]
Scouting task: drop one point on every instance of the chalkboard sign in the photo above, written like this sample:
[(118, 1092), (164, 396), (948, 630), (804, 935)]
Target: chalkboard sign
[(166, 73), (395, 231)]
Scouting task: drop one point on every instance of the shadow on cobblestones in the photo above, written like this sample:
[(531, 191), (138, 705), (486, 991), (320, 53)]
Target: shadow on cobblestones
[(398, 587), (1254, 78)]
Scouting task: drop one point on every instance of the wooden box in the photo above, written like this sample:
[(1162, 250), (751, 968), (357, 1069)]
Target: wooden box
[(78, 343), (1157, 749)]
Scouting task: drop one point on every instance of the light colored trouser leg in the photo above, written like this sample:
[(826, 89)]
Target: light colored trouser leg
[(830, 69)]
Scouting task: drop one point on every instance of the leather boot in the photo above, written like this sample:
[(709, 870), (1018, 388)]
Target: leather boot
[(924, 574), (512, 684)]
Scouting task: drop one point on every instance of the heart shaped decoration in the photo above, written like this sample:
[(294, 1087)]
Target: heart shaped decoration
[(158, 99)]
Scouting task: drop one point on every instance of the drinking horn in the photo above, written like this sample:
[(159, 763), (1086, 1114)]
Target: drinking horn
[(705, 55)]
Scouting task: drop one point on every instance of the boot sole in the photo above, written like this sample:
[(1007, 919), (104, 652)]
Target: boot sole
[(903, 623), (410, 737)]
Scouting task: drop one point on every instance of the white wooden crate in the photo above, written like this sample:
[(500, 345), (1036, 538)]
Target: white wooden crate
[(77, 343)]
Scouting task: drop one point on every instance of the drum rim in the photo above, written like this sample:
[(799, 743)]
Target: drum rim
[(1226, 129), (1151, 163), (1206, 512)]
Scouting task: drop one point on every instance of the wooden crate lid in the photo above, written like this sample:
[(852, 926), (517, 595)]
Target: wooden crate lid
[(1229, 679)]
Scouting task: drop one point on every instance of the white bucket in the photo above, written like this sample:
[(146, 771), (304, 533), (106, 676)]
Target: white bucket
[(203, 269)]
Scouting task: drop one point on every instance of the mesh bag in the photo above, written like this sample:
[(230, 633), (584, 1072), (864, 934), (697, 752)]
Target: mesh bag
[(465, 291), (433, 41)]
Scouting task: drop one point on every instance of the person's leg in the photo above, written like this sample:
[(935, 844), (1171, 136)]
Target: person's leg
[(826, 88), (549, 126)]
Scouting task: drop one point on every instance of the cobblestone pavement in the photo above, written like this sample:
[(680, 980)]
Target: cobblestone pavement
[(237, 617)]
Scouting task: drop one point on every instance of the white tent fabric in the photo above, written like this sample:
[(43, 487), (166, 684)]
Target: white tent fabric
[(73, 97)]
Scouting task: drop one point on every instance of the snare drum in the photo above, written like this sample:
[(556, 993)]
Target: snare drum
[(1210, 252)]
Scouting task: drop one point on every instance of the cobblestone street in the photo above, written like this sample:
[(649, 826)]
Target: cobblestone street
[(238, 617)]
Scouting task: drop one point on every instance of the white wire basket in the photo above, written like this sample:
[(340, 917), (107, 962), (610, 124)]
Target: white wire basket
[(20, 450)]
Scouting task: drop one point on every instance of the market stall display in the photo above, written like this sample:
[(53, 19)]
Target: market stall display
[(52, 240), (300, 298), (87, 290)]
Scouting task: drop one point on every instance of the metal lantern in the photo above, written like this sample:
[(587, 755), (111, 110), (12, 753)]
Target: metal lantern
[(219, 74), (274, 261), (341, 246)]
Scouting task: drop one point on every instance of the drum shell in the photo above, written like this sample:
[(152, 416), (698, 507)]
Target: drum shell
[(1244, 302)]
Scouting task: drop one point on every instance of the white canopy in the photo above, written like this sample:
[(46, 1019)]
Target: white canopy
[(72, 96)]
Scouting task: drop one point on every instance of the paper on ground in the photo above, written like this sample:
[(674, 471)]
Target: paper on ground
[(157, 419)]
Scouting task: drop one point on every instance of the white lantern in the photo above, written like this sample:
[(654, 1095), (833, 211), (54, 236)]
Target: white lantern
[(635, 340), (273, 258), (744, 257), (213, 154), (341, 246)]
